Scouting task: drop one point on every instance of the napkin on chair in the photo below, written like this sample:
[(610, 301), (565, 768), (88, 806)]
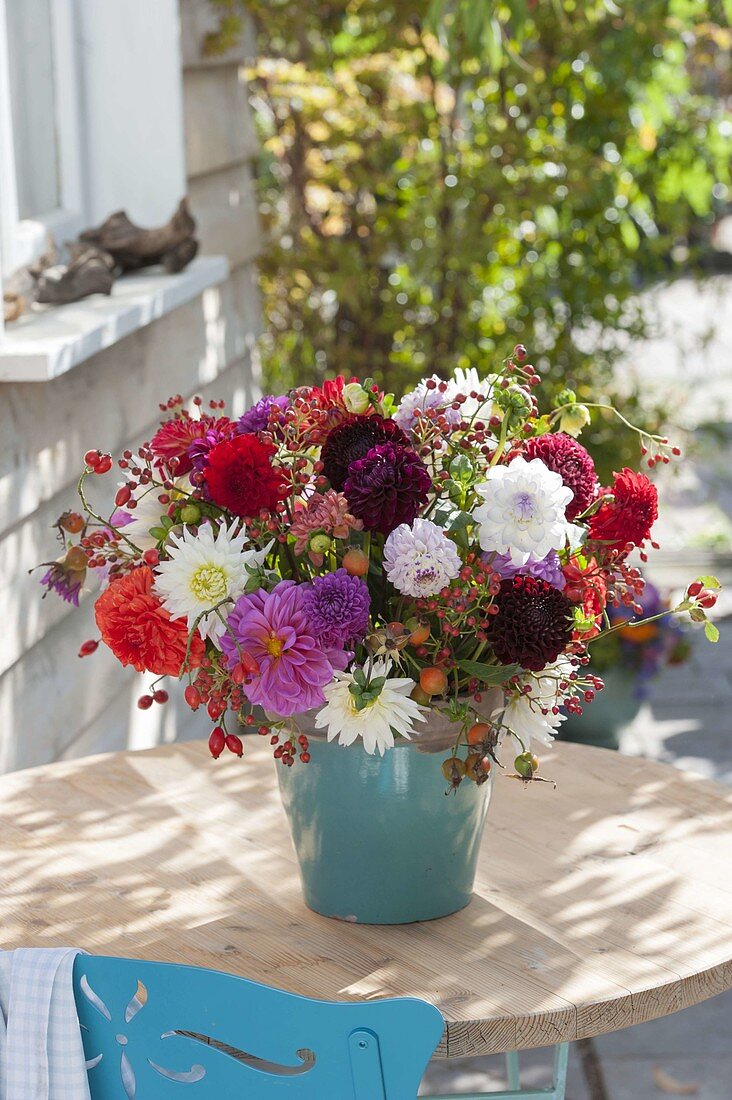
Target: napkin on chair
[(41, 1052)]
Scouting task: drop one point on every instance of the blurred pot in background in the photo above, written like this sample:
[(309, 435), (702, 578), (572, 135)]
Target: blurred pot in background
[(627, 661)]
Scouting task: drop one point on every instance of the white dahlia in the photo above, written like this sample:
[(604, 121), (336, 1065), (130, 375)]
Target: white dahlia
[(523, 511), (203, 570), (391, 712), (420, 560)]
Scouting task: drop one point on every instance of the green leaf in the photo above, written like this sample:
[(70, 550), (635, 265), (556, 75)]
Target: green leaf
[(489, 674), (709, 582), (158, 533), (630, 235), (711, 631)]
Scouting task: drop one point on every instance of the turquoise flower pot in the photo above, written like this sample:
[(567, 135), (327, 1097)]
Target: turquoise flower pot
[(378, 839)]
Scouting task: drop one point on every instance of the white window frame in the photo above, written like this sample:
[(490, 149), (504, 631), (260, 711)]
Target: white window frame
[(23, 239)]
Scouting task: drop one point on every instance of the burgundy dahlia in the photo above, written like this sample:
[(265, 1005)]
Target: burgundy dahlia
[(570, 460), (533, 625), (352, 440), (386, 487)]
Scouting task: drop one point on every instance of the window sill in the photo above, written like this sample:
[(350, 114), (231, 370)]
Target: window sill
[(45, 344)]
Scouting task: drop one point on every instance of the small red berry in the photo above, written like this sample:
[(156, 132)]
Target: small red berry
[(234, 744), (103, 465), (216, 742), (192, 697), (160, 696), (151, 557), (145, 702), (91, 458)]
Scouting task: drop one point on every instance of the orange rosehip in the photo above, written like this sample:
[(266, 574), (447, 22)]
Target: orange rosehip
[(420, 634), (478, 733), (433, 680), (355, 562)]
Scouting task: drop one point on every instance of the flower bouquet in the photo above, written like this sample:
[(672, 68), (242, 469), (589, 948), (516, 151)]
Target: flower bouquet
[(401, 597)]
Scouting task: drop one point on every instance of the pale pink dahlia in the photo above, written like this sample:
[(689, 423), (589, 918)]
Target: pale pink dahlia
[(272, 627), (324, 513)]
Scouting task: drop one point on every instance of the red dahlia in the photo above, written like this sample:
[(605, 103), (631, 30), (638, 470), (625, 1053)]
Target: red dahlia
[(352, 440), (240, 476), (533, 625), (570, 460), (386, 487), (138, 629), (630, 515)]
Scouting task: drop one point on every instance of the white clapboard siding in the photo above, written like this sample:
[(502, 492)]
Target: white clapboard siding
[(52, 704)]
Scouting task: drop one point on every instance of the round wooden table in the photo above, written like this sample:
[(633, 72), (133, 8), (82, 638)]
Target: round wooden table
[(600, 904)]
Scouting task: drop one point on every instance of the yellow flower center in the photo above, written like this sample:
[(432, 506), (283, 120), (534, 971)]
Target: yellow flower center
[(209, 584), (273, 645)]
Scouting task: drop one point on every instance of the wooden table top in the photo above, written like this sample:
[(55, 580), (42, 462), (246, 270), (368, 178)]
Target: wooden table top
[(600, 904)]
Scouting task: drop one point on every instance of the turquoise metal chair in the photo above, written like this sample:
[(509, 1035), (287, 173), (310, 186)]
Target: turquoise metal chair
[(156, 1031)]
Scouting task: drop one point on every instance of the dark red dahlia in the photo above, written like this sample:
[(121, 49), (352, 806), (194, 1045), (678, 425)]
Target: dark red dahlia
[(630, 515), (533, 625), (240, 477), (386, 487), (570, 460), (352, 440)]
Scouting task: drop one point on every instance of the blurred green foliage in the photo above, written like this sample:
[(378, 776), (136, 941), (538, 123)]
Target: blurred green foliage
[(441, 180)]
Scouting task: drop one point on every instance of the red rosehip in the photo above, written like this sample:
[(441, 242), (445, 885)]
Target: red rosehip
[(707, 599), (160, 696), (122, 495), (216, 742), (234, 744), (215, 708), (192, 697), (86, 648), (145, 702), (694, 588), (91, 458), (151, 557), (103, 465)]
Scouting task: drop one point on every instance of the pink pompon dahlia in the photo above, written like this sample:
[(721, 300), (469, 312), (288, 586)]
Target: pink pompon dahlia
[(324, 513), (273, 628)]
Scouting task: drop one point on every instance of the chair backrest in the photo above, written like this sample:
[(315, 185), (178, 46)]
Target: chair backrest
[(156, 1031)]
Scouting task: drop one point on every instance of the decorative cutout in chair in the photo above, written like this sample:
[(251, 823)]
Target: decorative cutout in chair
[(155, 1031)]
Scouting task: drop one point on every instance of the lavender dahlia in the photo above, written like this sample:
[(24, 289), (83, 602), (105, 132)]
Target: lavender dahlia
[(273, 628), (65, 582), (386, 487), (337, 608), (548, 568)]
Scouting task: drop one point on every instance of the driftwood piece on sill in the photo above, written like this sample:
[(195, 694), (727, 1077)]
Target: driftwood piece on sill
[(90, 272), (20, 287), (173, 245)]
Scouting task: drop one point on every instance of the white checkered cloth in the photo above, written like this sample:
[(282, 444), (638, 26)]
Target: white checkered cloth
[(41, 1052)]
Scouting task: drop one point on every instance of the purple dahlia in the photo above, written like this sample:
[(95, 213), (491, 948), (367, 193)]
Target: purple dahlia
[(353, 440), (386, 487), (548, 568), (256, 419), (337, 608)]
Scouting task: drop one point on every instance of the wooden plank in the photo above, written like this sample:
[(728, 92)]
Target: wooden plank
[(219, 130), (575, 929)]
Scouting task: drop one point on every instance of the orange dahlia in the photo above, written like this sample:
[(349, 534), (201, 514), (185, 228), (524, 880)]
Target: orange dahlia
[(138, 629)]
